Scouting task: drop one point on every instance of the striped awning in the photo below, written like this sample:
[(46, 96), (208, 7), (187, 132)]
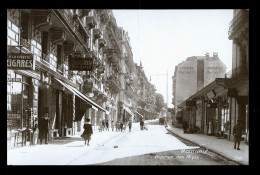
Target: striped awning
[(83, 97)]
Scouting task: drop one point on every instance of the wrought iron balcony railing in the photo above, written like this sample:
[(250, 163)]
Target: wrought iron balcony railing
[(25, 43), (237, 73), (59, 67), (238, 21), (46, 57)]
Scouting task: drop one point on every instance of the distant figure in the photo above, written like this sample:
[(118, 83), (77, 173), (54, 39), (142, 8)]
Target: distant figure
[(112, 125), (237, 132), (87, 131), (121, 126), (185, 126), (43, 126), (130, 125), (100, 126), (103, 125), (117, 126), (142, 124), (107, 125)]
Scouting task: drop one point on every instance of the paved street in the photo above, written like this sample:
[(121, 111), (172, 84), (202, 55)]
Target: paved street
[(156, 146)]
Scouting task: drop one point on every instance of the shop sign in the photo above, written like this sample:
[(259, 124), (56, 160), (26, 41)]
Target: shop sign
[(14, 80), (80, 64), (20, 61), (212, 105)]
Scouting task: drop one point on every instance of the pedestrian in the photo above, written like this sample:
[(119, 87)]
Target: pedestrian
[(112, 125), (43, 126), (87, 131), (237, 132), (107, 125), (130, 125), (117, 126), (103, 125), (100, 126), (121, 126), (141, 124), (185, 126)]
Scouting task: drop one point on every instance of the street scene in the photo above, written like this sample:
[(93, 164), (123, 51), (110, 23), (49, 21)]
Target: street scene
[(127, 87)]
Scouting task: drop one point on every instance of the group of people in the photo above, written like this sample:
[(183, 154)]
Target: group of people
[(118, 126)]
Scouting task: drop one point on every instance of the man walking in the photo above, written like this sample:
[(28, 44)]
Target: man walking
[(44, 127), (107, 125), (237, 132)]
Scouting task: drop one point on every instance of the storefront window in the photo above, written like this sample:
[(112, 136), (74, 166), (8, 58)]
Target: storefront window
[(18, 99)]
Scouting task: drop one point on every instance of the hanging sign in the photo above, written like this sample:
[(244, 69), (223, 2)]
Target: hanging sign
[(20, 61), (80, 64)]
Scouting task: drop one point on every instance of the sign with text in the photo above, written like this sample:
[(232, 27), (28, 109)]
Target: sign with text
[(80, 64), (21, 61)]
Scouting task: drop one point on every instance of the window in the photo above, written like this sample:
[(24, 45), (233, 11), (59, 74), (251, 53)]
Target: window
[(24, 39), (45, 49), (59, 57)]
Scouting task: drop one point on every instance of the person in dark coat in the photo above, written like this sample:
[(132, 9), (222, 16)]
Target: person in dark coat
[(142, 124), (103, 124), (121, 126), (107, 125), (87, 131), (185, 126), (130, 125), (43, 126), (237, 132)]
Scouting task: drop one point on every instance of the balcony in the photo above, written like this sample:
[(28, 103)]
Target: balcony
[(91, 22), (46, 57), (96, 33), (237, 73), (25, 43), (238, 21), (113, 84), (101, 42), (59, 68), (74, 25)]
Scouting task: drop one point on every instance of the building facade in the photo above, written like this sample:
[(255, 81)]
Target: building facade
[(71, 63), (215, 109), (192, 75)]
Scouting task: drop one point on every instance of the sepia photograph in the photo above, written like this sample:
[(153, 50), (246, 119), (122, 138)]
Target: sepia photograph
[(127, 87)]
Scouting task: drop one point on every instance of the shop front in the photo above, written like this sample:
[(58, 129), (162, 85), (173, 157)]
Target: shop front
[(20, 108)]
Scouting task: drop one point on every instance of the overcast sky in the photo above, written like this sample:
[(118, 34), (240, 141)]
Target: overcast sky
[(162, 39)]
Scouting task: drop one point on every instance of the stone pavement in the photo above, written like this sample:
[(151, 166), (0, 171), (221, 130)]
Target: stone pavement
[(222, 147)]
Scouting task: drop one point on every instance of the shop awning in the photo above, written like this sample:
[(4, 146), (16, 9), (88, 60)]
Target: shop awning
[(82, 96), (139, 114), (128, 110)]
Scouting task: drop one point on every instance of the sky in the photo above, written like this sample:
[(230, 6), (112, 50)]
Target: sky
[(161, 39)]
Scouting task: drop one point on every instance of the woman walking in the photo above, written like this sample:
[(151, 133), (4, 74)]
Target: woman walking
[(87, 132)]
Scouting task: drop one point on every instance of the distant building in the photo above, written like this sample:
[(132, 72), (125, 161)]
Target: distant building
[(192, 75)]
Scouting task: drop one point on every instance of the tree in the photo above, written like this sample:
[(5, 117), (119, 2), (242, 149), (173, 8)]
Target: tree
[(159, 104)]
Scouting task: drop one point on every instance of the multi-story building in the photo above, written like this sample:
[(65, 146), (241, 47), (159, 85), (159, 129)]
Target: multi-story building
[(237, 83), (215, 109), (192, 75), (72, 63)]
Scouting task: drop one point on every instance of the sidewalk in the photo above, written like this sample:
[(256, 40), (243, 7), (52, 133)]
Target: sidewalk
[(59, 151), (222, 147)]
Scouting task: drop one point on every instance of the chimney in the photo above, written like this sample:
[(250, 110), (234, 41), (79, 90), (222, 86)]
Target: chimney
[(207, 55), (215, 54)]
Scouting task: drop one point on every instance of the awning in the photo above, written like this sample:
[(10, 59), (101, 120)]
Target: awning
[(139, 114), (128, 110), (82, 96)]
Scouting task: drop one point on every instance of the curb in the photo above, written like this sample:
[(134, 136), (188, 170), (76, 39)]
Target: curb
[(210, 149)]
